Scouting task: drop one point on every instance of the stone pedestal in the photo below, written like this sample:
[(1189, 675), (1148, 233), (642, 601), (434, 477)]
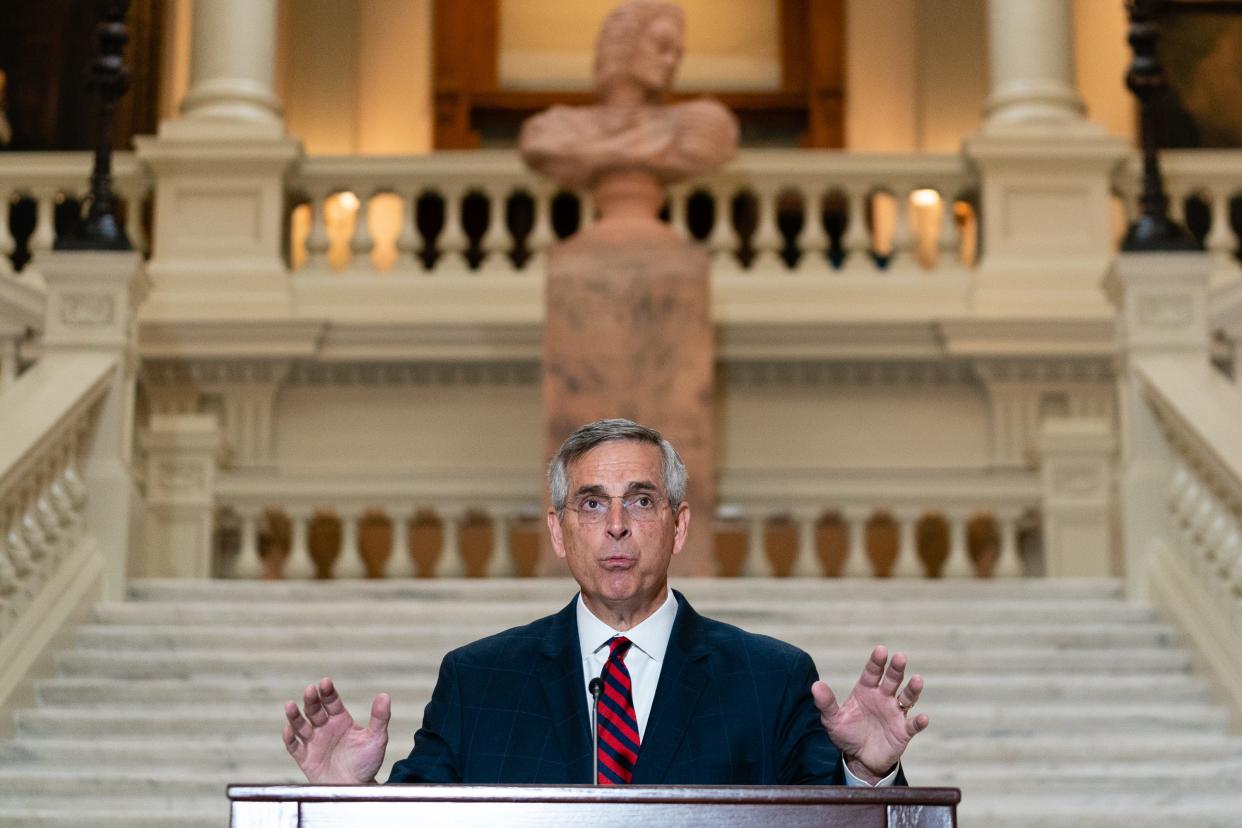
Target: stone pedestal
[(181, 469), (1076, 458), (627, 333)]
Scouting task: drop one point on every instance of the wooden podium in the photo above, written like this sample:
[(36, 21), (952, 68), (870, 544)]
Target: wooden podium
[(378, 806)]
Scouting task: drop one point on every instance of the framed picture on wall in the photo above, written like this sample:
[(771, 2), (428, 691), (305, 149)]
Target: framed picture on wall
[(1201, 49)]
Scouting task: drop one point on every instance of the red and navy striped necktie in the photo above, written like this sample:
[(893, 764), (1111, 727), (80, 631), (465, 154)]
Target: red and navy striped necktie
[(618, 724)]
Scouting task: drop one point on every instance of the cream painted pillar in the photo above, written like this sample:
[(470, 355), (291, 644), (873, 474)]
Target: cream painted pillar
[(182, 452), (217, 251), (1163, 312), (1046, 173), (233, 67), (1076, 460), (92, 299), (1031, 57)]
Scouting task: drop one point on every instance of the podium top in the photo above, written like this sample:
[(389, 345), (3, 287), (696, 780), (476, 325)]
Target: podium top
[(294, 806)]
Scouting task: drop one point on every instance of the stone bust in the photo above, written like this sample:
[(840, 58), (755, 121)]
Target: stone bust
[(630, 131)]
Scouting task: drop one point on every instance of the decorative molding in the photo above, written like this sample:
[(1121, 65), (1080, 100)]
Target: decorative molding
[(419, 374), (824, 373), (87, 309)]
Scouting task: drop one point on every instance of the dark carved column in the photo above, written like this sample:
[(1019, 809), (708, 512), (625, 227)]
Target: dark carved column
[(1153, 230), (109, 80)]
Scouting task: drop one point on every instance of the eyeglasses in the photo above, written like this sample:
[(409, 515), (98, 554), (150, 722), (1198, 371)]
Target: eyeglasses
[(641, 508)]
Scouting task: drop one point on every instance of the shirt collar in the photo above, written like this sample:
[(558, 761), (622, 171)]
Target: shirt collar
[(650, 636)]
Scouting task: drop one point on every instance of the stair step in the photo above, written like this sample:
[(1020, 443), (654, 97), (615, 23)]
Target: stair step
[(1017, 688), (304, 663), (993, 719), (502, 614), (560, 589), (161, 637)]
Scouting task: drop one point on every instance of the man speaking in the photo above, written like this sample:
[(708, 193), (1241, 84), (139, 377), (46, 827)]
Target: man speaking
[(677, 698)]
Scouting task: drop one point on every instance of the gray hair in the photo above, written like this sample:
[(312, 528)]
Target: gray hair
[(593, 434)]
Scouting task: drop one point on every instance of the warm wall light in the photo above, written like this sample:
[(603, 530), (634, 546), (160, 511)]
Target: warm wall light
[(349, 201), (925, 198)]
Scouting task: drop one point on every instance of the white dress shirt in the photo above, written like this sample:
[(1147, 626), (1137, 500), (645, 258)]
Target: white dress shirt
[(644, 660)]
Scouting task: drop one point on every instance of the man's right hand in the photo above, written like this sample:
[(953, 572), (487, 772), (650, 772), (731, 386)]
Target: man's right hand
[(326, 743)]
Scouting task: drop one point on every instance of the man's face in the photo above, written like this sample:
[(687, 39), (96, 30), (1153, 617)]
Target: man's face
[(619, 562), (657, 53)]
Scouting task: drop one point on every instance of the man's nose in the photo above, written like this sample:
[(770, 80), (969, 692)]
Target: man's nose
[(618, 520)]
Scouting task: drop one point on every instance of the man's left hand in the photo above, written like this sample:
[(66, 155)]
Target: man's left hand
[(872, 728)]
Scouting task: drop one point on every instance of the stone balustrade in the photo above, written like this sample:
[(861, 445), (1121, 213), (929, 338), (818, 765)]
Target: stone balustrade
[(1203, 187), (1204, 489), (856, 525), (43, 496), (769, 211), (36, 186)]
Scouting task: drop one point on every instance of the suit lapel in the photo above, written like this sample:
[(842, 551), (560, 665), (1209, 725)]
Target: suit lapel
[(564, 689), (682, 679)]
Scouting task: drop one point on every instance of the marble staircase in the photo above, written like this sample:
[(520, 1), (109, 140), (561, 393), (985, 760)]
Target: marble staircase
[(1053, 702)]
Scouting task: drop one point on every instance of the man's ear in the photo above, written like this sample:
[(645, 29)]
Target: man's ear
[(554, 530), (681, 526)]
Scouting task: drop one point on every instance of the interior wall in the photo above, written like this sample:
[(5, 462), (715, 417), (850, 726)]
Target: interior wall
[(952, 66), (880, 76), (550, 44), (1101, 57), (175, 65)]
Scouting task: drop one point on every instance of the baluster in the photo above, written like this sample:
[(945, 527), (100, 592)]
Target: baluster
[(1177, 202), (806, 565), (586, 209), (317, 241), (7, 243), (1009, 562), (133, 195), (32, 529), (19, 549), (908, 564), (8, 362), (724, 241), (349, 562), (361, 244), (857, 238), (677, 198), (541, 233), (453, 241), (496, 240), (857, 565), (408, 239), (8, 573), (958, 565), (949, 243), (767, 240), (1220, 241), (756, 563), (1229, 560), (400, 564), (813, 239), (904, 241), (248, 566), (44, 235), (501, 565), (450, 564), (298, 565)]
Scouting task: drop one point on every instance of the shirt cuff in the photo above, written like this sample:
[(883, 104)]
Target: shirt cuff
[(853, 781)]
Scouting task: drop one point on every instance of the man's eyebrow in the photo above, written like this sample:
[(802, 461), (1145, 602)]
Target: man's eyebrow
[(635, 486)]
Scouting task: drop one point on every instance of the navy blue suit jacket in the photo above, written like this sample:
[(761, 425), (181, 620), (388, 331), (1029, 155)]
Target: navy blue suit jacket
[(731, 708)]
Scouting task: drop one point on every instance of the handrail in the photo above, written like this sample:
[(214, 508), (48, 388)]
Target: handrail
[(1201, 408), (47, 401)]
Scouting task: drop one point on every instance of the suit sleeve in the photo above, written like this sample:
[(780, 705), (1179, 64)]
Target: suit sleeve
[(436, 756), (804, 753)]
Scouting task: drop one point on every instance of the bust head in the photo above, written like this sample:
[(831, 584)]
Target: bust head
[(639, 43)]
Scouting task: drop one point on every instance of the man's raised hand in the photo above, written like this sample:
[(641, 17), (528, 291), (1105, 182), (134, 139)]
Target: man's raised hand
[(871, 728), (326, 743)]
